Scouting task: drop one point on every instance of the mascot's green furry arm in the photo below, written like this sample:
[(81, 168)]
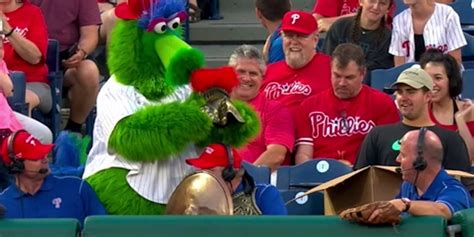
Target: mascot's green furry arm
[(148, 119)]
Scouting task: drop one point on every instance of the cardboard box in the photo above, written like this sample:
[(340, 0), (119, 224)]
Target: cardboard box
[(372, 183)]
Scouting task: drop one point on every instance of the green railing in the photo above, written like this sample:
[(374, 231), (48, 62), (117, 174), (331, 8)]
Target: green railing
[(234, 226), (39, 227)]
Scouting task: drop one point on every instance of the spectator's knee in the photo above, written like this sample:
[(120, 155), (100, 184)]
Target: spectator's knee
[(88, 73)]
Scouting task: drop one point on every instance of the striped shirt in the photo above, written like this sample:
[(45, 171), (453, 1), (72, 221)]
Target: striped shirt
[(442, 31), (155, 181)]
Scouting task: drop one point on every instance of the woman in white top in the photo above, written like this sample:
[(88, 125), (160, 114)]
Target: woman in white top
[(425, 24)]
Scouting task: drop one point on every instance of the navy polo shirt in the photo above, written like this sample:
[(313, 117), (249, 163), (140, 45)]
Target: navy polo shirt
[(444, 189), (268, 199), (58, 197)]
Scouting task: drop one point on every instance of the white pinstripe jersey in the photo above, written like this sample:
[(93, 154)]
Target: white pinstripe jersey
[(442, 31), (154, 181)]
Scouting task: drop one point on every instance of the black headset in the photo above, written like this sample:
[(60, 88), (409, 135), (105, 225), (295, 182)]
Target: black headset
[(420, 163), (17, 166), (228, 173)]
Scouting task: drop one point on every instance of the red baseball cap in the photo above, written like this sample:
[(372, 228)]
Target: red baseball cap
[(25, 147), (299, 21), (215, 155)]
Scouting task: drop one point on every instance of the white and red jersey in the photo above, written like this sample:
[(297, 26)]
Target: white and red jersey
[(442, 31), (291, 86), (336, 128), (154, 181)]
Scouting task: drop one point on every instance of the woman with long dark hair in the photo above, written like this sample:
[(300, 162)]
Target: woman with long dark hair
[(367, 29), (446, 109)]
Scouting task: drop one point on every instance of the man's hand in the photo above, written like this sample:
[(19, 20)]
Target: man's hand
[(324, 24), (75, 59), (6, 26)]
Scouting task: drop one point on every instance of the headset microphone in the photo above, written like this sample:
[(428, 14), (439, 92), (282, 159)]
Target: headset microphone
[(399, 170), (40, 171)]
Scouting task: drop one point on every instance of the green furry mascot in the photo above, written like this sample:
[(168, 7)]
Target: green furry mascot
[(149, 115)]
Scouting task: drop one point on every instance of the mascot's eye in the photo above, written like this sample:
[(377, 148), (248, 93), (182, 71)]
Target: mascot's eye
[(174, 24), (160, 27)]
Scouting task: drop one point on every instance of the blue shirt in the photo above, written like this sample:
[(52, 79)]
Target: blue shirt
[(58, 197), (444, 189), (268, 199), (275, 49)]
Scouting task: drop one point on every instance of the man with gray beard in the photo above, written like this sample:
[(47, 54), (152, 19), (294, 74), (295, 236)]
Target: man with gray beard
[(304, 72)]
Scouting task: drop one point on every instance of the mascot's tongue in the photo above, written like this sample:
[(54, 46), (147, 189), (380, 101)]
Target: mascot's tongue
[(167, 45)]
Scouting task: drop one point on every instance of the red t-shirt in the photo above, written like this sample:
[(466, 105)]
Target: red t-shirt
[(336, 128), (277, 128), (29, 22), (291, 86), (73, 15), (452, 127), (333, 8)]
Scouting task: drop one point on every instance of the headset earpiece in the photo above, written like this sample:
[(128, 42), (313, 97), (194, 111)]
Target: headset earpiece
[(17, 166), (228, 173), (420, 163)]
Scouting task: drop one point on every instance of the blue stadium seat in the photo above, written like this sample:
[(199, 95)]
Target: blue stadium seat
[(464, 10), (400, 6), (260, 174), (468, 64), (294, 180), (467, 51), (17, 99), (468, 84), (52, 119), (382, 78), (308, 205)]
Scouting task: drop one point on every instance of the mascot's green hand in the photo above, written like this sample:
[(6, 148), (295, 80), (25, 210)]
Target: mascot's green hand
[(156, 132), (183, 63)]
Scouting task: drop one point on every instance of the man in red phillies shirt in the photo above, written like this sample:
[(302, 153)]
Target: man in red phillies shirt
[(304, 72), (333, 123), (277, 134)]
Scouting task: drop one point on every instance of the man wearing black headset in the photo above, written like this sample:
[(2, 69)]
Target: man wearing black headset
[(34, 193), (248, 198), (427, 188)]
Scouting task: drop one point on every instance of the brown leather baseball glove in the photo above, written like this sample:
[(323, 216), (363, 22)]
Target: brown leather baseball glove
[(375, 213)]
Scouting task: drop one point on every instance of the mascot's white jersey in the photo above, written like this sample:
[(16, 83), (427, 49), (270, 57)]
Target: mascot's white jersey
[(442, 31), (155, 181)]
